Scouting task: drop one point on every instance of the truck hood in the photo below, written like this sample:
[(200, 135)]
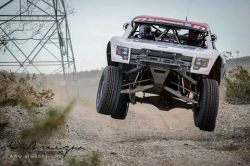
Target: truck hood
[(163, 46)]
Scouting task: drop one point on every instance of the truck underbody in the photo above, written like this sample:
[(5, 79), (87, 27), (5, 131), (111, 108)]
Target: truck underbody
[(163, 74)]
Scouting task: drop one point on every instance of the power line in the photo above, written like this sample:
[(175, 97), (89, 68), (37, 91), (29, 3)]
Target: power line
[(30, 32)]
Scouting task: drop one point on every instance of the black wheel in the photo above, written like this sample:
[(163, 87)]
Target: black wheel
[(109, 90), (122, 108), (205, 112)]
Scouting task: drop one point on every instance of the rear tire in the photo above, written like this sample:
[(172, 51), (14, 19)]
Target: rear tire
[(205, 113), (109, 90), (122, 108)]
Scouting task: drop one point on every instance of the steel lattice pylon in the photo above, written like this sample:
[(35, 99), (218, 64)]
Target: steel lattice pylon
[(35, 37)]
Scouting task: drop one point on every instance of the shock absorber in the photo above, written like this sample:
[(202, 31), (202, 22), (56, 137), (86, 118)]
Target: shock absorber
[(183, 85)]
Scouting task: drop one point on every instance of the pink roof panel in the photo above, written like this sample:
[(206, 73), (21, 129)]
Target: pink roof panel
[(171, 20)]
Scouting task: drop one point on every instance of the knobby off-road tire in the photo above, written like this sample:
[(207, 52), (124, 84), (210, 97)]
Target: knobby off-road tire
[(109, 90), (205, 112), (122, 109)]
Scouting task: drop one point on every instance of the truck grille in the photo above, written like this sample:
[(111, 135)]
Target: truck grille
[(160, 58)]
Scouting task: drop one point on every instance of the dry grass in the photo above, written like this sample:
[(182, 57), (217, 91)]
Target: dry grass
[(22, 90)]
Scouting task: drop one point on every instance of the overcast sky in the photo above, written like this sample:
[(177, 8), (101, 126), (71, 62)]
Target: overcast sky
[(96, 21)]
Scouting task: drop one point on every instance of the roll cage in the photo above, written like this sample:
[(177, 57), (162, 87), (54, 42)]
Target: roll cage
[(165, 32)]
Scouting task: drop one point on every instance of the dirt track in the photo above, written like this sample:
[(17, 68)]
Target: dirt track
[(152, 137), (149, 136)]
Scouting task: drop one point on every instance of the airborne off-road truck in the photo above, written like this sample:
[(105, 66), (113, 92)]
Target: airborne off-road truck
[(166, 69)]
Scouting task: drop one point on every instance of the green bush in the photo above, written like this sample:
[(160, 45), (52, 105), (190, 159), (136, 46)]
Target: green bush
[(238, 86), (92, 159), (55, 117)]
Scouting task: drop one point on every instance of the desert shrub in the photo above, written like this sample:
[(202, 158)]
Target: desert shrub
[(92, 159), (55, 117), (26, 91), (3, 121), (22, 90), (238, 86), (41, 128)]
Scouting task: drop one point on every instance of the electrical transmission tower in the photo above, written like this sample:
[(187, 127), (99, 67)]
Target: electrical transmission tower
[(35, 37)]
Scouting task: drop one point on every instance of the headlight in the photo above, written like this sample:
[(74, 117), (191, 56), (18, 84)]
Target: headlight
[(123, 52), (200, 62)]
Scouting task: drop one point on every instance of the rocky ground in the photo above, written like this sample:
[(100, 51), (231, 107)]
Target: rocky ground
[(147, 137)]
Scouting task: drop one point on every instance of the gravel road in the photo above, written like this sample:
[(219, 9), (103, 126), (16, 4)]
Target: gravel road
[(147, 137)]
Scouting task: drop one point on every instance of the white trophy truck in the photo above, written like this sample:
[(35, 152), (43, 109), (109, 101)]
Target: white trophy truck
[(172, 63)]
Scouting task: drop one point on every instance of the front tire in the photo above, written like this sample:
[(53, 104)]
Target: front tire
[(122, 108), (205, 112), (109, 90)]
